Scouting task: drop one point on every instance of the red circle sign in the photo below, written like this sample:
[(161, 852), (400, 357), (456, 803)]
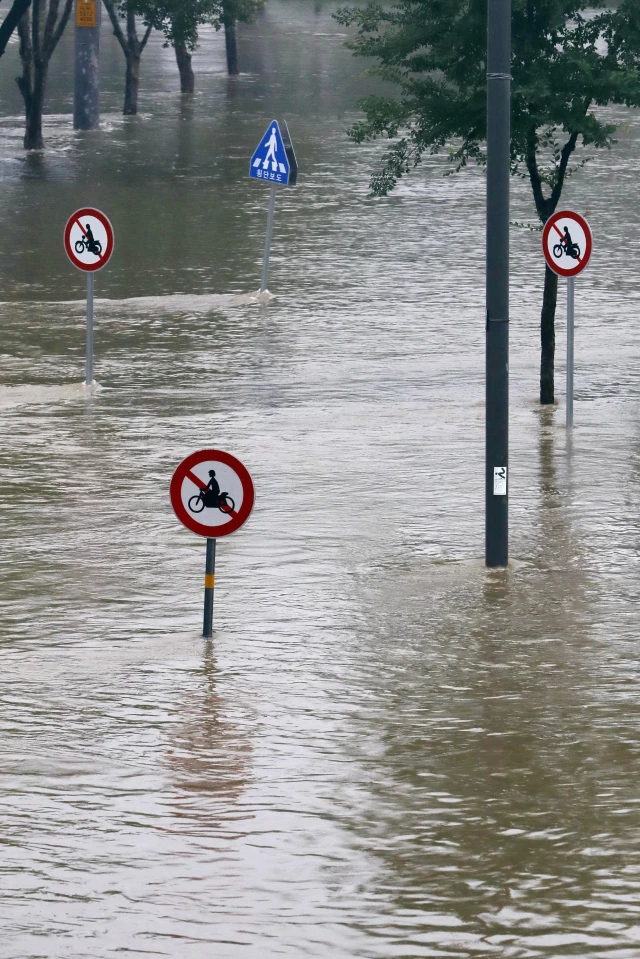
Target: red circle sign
[(88, 240), (567, 243), (212, 505)]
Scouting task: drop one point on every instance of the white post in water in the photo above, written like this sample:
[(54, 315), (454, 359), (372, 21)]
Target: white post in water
[(267, 242), (89, 377), (570, 307)]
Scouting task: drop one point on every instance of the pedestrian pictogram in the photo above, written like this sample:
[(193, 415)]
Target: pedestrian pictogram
[(270, 161), (567, 243), (212, 493), (88, 240)]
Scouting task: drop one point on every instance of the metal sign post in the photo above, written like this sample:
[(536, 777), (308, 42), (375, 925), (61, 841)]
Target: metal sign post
[(570, 298), (89, 242), (567, 243), (209, 586), (273, 162), (267, 242), (89, 365), (212, 495), (497, 331)]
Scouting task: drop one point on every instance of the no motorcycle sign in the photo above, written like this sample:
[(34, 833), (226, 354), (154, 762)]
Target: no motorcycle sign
[(567, 243), (89, 240)]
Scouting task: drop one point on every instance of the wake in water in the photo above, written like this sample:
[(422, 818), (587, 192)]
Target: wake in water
[(170, 303), (31, 394), (186, 302)]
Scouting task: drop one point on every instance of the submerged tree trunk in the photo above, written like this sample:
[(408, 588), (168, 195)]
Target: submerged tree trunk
[(183, 59), (34, 106), (39, 29), (546, 207), (548, 337), (231, 45), (131, 85), (132, 47)]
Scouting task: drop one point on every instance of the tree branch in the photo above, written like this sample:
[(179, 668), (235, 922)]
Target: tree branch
[(35, 30), (25, 82), (64, 19), (11, 21), (146, 37), (534, 174), (49, 24), (115, 23), (567, 150), (132, 33)]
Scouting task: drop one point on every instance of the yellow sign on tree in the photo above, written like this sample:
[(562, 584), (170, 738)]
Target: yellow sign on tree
[(87, 13)]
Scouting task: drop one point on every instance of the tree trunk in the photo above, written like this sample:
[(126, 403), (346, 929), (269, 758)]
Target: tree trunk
[(231, 45), (39, 30), (183, 59), (34, 106), (548, 337), (131, 86)]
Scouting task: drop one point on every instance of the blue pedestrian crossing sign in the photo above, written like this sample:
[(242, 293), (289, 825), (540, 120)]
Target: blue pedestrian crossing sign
[(270, 160)]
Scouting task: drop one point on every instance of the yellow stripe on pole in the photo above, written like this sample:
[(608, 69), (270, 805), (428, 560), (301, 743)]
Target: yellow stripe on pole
[(209, 580)]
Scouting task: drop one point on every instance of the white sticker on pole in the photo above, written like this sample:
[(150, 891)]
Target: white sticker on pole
[(567, 243), (500, 481), (89, 240)]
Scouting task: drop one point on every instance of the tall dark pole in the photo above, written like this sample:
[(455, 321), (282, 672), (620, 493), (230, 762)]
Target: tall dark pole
[(497, 356), (86, 102)]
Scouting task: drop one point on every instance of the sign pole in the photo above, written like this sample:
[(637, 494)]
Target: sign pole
[(89, 242), (570, 340), (567, 244), (267, 244), (209, 584), (86, 101), (273, 162), (497, 302), (89, 377)]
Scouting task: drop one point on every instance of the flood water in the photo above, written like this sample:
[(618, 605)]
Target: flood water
[(385, 751)]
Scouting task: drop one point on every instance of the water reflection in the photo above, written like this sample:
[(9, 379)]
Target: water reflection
[(209, 758)]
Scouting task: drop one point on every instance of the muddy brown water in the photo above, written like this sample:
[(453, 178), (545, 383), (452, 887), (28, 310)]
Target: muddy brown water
[(385, 751)]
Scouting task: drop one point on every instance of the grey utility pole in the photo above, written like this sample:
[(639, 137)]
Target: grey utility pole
[(86, 105), (497, 343)]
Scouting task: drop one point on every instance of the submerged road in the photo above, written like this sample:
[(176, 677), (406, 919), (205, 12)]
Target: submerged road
[(384, 751)]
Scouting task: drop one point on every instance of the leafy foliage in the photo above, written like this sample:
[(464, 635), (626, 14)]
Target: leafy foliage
[(179, 20), (568, 60)]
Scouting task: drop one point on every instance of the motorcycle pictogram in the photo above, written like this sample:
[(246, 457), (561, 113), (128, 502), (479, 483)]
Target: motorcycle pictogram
[(205, 498), (89, 243), (566, 246)]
